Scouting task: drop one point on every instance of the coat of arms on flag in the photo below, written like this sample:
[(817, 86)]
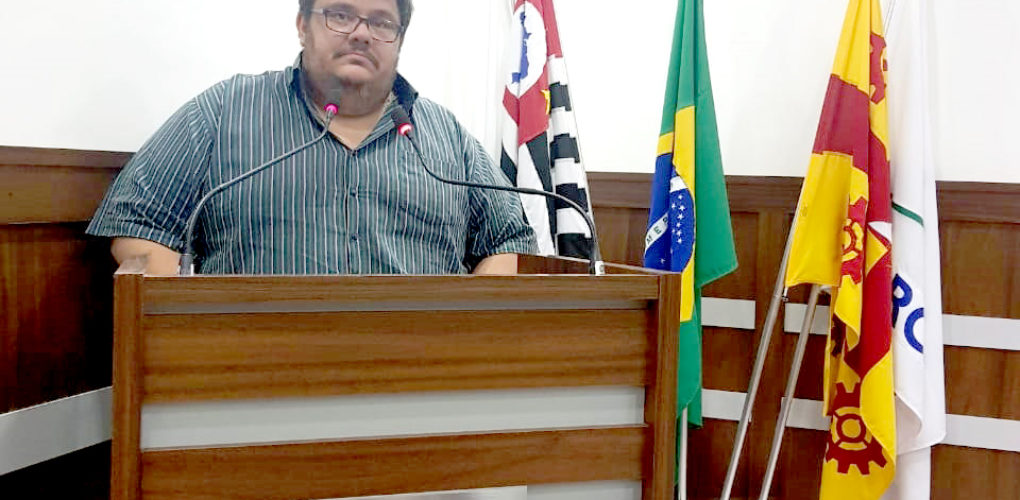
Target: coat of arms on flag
[(843, 238), (689, 228), (540, 149)]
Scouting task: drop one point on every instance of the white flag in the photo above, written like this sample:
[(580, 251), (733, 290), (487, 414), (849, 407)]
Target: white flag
[(917, 292)]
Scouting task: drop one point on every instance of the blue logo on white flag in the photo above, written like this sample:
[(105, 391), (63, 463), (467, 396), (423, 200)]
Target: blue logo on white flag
[(903, 298)]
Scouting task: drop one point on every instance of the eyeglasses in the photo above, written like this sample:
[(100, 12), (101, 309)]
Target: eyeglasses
[(346, 22)]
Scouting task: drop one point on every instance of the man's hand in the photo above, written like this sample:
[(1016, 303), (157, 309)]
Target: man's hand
[(504, 263), (162, 260)]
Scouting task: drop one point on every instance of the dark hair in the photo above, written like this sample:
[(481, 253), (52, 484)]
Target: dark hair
[(404, 6)]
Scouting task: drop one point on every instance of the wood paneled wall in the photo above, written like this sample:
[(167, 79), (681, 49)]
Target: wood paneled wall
[(55, 282), (56, 287), (980, 231)]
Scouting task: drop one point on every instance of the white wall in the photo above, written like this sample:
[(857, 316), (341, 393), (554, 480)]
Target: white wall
[(104, 74)]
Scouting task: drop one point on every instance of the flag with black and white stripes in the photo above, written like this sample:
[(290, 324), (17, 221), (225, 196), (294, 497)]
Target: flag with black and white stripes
[(540, 148)]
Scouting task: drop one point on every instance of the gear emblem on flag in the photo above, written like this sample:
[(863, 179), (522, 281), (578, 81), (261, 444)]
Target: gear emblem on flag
[(853, 241), (850, 443)]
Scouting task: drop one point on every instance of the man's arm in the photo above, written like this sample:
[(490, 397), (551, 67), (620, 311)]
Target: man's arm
[(504, 263), (146, 208), (162, 260), (498, 232)]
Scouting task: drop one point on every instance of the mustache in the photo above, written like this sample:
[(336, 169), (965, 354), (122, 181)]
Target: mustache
[(370, 57)]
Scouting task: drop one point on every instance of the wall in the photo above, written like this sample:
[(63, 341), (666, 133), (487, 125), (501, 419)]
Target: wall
[(104, 74), (47, 265), (981, 382)]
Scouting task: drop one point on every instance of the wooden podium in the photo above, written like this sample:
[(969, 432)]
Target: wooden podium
[(209, 339)]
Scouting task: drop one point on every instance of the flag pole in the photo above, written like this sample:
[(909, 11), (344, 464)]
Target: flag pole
[(778, 297), (682, 488), (791, 385)]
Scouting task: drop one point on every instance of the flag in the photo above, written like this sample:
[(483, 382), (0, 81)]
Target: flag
[(843, 238), (540, 149), (917, 292), (689, 227)]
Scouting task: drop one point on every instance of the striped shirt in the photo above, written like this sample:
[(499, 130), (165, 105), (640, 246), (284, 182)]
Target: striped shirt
[(325, 210)]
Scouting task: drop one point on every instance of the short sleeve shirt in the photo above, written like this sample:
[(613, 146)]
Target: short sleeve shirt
[(327, 209)]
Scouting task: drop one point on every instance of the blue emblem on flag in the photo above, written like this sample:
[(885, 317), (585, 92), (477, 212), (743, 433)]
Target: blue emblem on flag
[(517, 76), (669, 241), (681, 224)]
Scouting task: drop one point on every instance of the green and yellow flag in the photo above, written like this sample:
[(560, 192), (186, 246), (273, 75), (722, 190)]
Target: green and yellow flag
[(689, 227)]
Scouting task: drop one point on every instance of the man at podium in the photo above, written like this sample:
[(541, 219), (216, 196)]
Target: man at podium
[(353, 200)]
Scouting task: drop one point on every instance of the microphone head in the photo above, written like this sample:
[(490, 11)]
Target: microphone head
[(401, 120), (331, 109)]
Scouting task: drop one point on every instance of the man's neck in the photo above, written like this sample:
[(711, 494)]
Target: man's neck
[(357, 116), (361, 102)]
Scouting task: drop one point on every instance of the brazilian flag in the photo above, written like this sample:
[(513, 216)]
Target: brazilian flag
[(689, 227)]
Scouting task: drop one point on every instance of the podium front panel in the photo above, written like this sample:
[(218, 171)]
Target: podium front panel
[(343, 386)]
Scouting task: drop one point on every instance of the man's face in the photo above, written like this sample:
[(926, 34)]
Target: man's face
[(355, 59)]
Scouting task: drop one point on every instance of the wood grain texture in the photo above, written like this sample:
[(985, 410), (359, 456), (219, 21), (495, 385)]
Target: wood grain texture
[(966, 473), (51, 194), (706, 473), (981, 277), (979, 202), (54, 185), (980, 238), (55, 314), (958, 201), (402, 465), (661, 394), (799, 473), (229, 356), (536, 264), (382, 293), (49, 157), (627, 226), (127, 388), (53, 267), (721, 369), (771, 228)]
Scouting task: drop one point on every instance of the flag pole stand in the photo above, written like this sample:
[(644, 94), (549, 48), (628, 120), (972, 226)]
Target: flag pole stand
[(791, 385), (778, 297), (681, 493)]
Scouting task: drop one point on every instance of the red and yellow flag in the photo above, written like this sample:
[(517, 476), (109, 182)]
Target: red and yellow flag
[(842, 238)]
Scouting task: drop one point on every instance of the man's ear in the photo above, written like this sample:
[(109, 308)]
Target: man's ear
[(302, 26)]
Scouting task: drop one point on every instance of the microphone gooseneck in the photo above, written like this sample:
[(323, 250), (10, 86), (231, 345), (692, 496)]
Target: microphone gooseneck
[(405, 128), (187, 264)]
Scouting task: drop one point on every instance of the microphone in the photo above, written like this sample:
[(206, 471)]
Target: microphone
[(187, 265), (404, 127)]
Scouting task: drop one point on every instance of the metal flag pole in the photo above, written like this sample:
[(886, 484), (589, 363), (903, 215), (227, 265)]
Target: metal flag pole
[(778, 297), (791, 384), (681, 493)]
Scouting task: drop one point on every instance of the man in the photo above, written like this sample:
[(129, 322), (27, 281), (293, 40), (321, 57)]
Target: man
[(358, 202)]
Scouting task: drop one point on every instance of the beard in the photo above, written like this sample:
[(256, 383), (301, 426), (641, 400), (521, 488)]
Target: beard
[(359, 95), (354, 96)]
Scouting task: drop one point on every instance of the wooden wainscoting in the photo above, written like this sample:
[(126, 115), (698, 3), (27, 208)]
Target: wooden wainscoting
[(56, 289), (56, 284), (980, 231)]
